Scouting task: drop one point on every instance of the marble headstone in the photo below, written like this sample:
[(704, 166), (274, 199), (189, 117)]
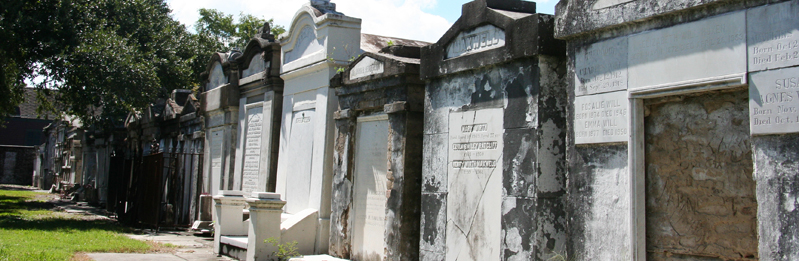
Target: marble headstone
[(601, 67), (773, 39), (601, 118), (366, 67), (480, 39), (216, 160), (774, 101), (474, 184), (688, 53), (369, 195), (301, 154), (251, 169)]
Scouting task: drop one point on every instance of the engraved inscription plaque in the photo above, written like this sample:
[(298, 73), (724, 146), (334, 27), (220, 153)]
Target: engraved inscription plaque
[(366, 67), (370, 191), (252, 152), (480, 39), (474, 184), (601, 118), (689, 53), (773, 37), (774, 101), (216, 160), (601, 67)]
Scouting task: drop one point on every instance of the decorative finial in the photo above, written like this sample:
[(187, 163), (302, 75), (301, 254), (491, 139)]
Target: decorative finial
[(324, 5), (266, 32)]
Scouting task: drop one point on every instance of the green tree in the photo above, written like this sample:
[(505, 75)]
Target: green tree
[(224, 33), (102, 58)]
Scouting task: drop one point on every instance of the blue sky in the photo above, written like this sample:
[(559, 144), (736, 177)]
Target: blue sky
[(423, 20)]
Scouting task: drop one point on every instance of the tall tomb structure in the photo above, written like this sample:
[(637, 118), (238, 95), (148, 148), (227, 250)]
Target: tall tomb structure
[(220, 106), (494, 167), (378, 151), (683, 129), (319, 40), (260, 106)]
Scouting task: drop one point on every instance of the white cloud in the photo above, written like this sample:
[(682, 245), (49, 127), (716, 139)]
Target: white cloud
[(395, 18)]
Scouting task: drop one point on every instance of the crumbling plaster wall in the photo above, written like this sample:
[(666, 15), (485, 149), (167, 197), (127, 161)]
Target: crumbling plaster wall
[(700, 194), (533, 95)]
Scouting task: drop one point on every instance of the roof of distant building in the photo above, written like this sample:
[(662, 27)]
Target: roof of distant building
[(27, 109)]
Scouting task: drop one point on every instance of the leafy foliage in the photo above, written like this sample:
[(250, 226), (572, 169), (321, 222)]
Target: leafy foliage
[(104, 57), (100, 59), (222, 29), (285, 251)]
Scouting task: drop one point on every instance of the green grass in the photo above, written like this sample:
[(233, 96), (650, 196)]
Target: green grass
[(30, 230)]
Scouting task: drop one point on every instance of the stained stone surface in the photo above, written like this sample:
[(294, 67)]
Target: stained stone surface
[(776, 161), (599, 203), (774, 101), (773, 39), (300, 152), (370, 191), (474, 185)]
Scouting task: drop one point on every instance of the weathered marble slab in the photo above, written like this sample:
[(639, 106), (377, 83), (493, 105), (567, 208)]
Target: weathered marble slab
[(695, 52), (774, 101), (601, 118), (217, 142), (298, 178), (480, 39), (475, 184), (366, 67), (369, 195), (252, 152), (601, 67), (773, 39)]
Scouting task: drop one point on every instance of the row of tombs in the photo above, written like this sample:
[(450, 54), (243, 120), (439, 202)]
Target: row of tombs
[(614, 130)]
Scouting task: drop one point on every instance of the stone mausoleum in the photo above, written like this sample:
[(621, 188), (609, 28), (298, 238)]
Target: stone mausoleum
[(494, 164), (614, 130), (377, 167), (683, 129)]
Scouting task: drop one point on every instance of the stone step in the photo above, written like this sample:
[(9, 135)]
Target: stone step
[(234, 246)]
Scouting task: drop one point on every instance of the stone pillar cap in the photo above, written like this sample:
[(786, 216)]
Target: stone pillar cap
[(266, 195), (231, 193)]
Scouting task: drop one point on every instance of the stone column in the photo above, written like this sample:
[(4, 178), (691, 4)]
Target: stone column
[(228, 214), (265, 210)]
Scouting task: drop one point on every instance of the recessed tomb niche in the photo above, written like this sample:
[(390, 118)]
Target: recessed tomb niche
[(700, 193)]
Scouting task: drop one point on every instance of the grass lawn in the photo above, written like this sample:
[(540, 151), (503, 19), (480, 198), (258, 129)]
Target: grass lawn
[(31, 230)]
